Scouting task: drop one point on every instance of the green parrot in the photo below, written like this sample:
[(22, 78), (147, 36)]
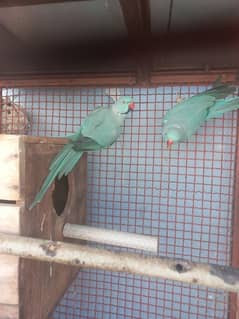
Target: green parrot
[(99, 130), (182, 121)]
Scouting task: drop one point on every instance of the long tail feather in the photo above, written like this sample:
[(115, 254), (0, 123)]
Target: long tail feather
[(70, 163), (221, 91), (60, 155), (62, 164), (223, 106)]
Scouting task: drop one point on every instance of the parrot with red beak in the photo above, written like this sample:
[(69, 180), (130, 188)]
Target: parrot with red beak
[(182, 121), (100, 129)]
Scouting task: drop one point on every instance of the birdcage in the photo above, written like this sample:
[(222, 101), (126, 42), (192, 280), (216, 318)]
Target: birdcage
[(185, 198)]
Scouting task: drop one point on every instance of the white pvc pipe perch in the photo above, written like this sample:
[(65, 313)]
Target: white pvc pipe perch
[(214, 276), (111, 237)]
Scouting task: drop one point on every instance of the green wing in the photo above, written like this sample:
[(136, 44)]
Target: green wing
[(186, 117), (102, 126), (196, 106), (99, 130), (200, 103)]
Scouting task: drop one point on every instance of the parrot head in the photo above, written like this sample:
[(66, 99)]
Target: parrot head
[(173, 135), (124, 105)]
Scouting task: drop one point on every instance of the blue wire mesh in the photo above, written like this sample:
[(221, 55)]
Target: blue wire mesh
[(184, 196)]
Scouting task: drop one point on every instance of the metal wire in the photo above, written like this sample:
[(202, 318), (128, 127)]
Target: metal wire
[(184, 196)]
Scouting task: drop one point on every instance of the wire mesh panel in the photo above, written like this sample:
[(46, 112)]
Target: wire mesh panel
[(183, 196)]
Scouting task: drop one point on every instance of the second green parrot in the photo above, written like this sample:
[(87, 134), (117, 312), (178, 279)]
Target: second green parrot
[(99, 130), (182, 121)]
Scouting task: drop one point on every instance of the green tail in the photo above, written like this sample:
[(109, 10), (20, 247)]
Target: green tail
[(220, 91), (62, 164), (223, 106)]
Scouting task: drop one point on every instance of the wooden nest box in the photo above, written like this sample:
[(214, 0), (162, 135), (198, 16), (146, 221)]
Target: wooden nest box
[(31, 289)]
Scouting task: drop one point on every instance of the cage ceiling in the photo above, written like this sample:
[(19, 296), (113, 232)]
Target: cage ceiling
[(117, 36)]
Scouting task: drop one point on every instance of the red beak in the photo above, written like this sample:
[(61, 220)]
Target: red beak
[(169, 144), (131, 106)]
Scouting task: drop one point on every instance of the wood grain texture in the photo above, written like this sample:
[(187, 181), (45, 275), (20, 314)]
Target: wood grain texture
[(9, 279), (9, 223), (9, 162), (197, 77), (44, 140), (163, 77), (25, 162), (9, 218), (137, 17), (41, 282), (9, 311), (97, 79)]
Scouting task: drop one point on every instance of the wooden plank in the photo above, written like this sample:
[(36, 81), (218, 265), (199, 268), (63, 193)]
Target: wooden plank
[(170, 78), (20, 3), (116, 79), (9, 162), (41, 282), (156, 78), (138, 23), (12, 42), (215, 46), (137, 17), (44, 140), (9, 311), (9, 218), (9, 223), (9, 279)]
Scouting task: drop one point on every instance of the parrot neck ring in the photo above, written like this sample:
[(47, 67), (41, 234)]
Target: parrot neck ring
[(169, 143)]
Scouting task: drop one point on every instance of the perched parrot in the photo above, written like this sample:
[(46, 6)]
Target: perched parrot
[(100, 129), (182, 121)]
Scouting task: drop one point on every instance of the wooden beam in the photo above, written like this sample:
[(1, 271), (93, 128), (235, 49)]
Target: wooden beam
[(193, 77), (195, 50), (21, 3), (94, 79), (10, 43), (124, 80), (137, 17)]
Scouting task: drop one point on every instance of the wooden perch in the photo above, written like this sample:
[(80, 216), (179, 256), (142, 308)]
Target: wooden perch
[(214, 276), (111, 237)]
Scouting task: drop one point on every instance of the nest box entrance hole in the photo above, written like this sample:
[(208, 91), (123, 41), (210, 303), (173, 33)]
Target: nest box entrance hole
[(60, 194)]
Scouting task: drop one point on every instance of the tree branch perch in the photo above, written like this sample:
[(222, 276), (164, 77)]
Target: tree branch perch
[(214, 276)]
